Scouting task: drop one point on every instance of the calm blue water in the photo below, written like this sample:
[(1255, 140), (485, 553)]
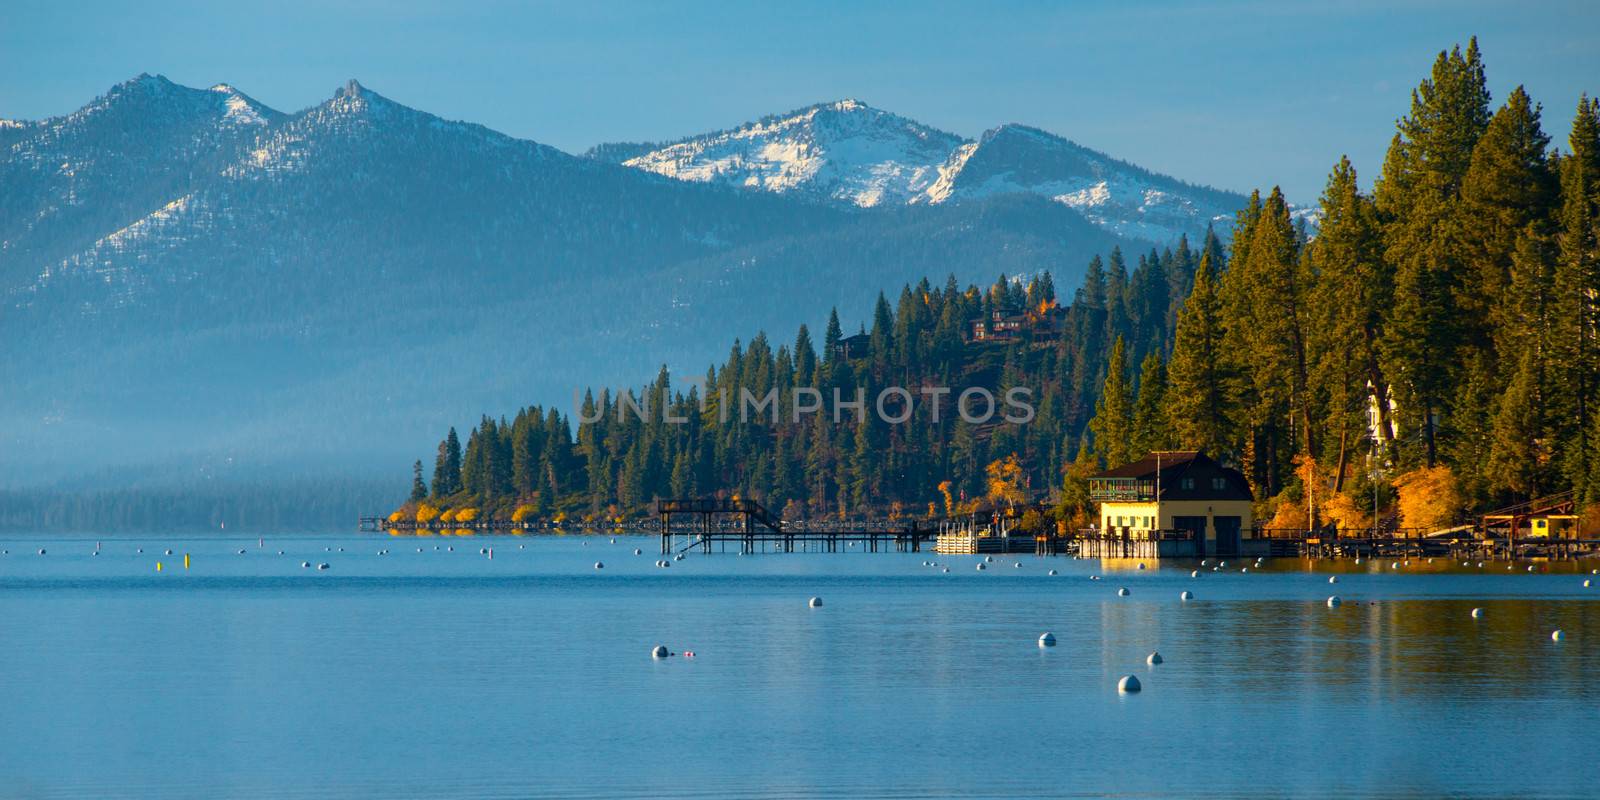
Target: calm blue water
[(449, 674)]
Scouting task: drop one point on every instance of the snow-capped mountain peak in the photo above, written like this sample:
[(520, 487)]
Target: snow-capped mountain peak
[(847, 151), (843, 150)]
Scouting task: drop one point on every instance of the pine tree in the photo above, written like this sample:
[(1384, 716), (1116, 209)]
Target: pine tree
[(419, 490), (1199, 376), (1113, 419), (1417, 198), (1151, 430), (1349, 307), (1577, 303)]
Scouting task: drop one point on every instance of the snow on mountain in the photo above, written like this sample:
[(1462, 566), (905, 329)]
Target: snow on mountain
[(850, 152), (845, 151), (1115, 195)]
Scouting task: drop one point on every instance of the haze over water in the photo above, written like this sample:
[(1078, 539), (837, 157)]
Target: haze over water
[(447, 673)]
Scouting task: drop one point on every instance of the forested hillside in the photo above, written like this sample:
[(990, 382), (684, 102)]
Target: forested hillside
[(1439, 339), (1459, 298), (531, 464)]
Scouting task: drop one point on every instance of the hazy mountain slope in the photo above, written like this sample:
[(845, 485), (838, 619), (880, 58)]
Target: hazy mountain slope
[(66, 181), (336, 285)]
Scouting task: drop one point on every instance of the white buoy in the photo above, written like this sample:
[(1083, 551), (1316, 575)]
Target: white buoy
[(1395, 565), (305, 565), (1358, 559), (1194, 573), (946, 569), (1244, 569), (815, 602), (659, 651), (1334, 601), (1205, 562), (637, 551), (988, 559), (599, 565), (169, 552), (1018, 565), (1094, 577), (1053, 572), (1186, 596), (980, 566), (1556, 636), (1128, 685), (1480, 565), (1154, 658), (1222, 564), (1333, 579), (1047, 639), (1123, 592), (323, 565), (613, 541), (1477, 613), (1585, 583), (41, 551), (1141, 565)]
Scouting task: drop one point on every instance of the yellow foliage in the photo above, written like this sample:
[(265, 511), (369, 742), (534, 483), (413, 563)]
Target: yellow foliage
[(949, 502), (1032, 522), (1005, 481), (448, 516), (466, 515), (522, 513), (1288, 514), (1429, 498), (397, 516), (1349, 513), (427, 513)]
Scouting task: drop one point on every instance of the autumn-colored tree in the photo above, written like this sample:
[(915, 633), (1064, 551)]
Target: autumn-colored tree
[(1005, 482), (1429, 497)]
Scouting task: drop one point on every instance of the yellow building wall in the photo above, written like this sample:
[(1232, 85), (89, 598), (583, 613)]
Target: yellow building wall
[(1138, 516)]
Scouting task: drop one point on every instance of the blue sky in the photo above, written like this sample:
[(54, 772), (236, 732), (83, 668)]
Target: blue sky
[(1233, 94)]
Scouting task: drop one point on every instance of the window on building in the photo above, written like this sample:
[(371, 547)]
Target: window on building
[(1219, 483), (1188, 483)]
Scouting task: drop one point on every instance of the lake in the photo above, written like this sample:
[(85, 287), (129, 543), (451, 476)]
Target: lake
[(447, 673)]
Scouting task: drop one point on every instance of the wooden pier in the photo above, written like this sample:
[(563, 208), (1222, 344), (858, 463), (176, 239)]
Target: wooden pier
[(713, 524)]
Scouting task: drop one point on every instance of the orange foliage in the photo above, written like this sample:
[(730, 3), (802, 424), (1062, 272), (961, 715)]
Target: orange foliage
[(1349, 513), (1005, 481), (1429, 498), (427, 513), (522, 513)]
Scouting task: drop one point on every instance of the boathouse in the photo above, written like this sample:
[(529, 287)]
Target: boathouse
[(1172, 504)]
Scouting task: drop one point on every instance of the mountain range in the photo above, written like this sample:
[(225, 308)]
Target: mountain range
[(195, 286)]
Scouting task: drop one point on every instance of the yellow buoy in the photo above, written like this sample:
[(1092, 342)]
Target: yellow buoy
[(158, 566), (185, 560)]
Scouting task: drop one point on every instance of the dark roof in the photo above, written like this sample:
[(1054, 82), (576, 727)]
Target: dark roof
[(1146, 467), (1175, 465), (855, 339)]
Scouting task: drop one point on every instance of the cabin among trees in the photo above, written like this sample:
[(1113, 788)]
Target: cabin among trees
[(1173, 504)]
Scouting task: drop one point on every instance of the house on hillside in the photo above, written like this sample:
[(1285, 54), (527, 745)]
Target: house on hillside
[(857, 346), (1037, 325), (1172, 504)]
